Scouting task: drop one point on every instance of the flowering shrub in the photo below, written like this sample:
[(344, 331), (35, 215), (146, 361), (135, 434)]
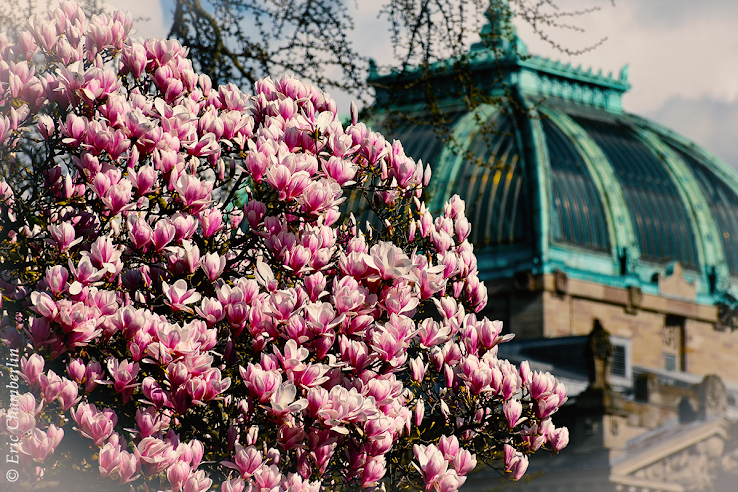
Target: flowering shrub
[(179, 340)]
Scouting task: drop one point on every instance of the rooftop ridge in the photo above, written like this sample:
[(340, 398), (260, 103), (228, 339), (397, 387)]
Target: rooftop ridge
[(501, 49)]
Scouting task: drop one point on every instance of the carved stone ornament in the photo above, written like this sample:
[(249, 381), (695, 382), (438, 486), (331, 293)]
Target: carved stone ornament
[(635, 299), (675, 285), (712, 396), (561, 282), (727, 313), (672, 337), (598, 352), (693, 468)]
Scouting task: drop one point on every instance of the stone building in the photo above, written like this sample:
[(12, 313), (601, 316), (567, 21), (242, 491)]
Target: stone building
[(587, 216)]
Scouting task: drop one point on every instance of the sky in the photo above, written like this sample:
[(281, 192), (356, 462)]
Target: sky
[(683, 62), (682, 54)]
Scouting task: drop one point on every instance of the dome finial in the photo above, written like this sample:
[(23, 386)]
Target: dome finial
[(499, 34)]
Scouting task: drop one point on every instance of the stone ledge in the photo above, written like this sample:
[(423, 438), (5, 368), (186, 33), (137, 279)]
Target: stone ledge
[(648, 302)]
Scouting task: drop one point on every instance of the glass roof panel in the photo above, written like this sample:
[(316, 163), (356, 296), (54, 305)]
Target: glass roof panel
[(578, 216), (491, 182), (659, 216), (723, 203), (492, 186), (419, 142)]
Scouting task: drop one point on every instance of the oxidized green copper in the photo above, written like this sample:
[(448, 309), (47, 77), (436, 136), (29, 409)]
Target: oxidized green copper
[(687, 197)]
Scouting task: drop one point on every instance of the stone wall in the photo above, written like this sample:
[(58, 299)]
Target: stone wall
[(710, 351), (657, 325)]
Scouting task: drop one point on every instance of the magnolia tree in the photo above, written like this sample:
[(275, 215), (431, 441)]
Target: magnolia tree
[(184, 305)]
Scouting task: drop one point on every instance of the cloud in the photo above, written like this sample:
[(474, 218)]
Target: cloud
[(674, 47), (674, 12), (683, 58)]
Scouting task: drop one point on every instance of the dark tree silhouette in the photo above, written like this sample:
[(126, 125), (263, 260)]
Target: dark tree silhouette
[(242, 40)]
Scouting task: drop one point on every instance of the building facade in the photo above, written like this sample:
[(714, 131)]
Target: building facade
[(585, 216)]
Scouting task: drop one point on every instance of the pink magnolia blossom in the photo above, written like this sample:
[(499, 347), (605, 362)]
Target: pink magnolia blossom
[(39, 444), (178, 473), (283, 400), (155, 455), (20, 422), (213, 265), (153, 392), (388, 260), (340, 170), (94, 424), (197, 482), (178, 296), (464, 462), (68, 394), (57, 277), (184, 226), (64, 235), (51, 385), (163, 234), (211, 221), (124, 374), (512, 409), (31, 368), (419, 411), (560, 439), (93, 372), (541, 384), (85, 273), (418, 369), (38, 331), (374, 470), (149, 422), (193, 193), (159, 290), (233, 485), (433, 333), (432, 463), (117, 464), (516, 463), (246, 460), (211, 311), (140, 233)]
